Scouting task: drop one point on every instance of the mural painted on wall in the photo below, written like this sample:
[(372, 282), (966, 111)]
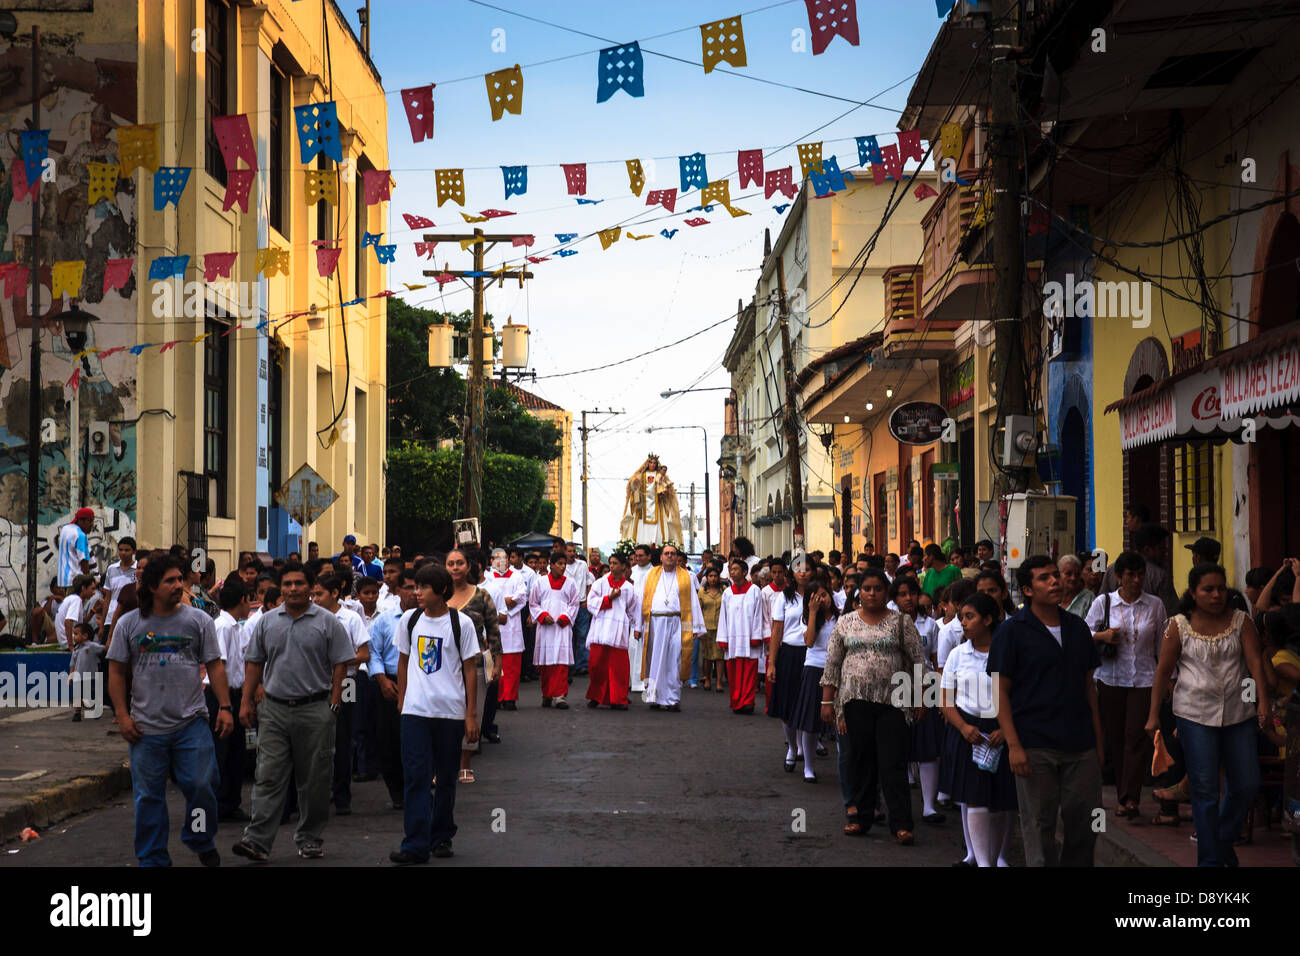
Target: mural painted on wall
[(88, 91)]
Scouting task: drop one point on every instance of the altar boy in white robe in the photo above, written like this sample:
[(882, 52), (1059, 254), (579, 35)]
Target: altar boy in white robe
[(742, 623), (553, 603), (509, 590), (614, 615), (671, 620)]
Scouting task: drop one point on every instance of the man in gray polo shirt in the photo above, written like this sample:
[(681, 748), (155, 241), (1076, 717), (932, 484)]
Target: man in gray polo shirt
[(298, 653)]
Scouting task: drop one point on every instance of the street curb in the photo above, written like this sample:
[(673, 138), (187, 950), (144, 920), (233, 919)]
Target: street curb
[(49, 806), (1117, 848)]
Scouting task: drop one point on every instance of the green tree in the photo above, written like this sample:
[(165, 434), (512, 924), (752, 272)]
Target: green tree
[(545, 517), (512, 429), (424, 404)]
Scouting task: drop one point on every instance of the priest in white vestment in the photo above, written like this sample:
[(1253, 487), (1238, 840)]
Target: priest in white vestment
[(671, 620)]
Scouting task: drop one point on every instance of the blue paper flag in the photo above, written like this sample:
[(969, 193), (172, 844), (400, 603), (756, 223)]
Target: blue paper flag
[(590, 202), (386, 254), (667, 233), (476, 274), (359, 300), (700, 209), (370, 239), (164, 267), (944, 7), (620, 68), (782, 208), (318, 131), (263, 325), (168, 184), (137, 349), (566, 236), (868, 151), (516, 178), (566, 252), (830, 179), (693, 171), (35, 147)]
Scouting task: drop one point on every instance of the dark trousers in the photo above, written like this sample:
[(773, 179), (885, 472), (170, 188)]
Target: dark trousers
[(878, 758), (489, 724), (229, 752), (581, 624), (1174, 775), (530, 643), (342, 788), (1065, 784), (365, 746), (388, 723), (1123, 724), (430, 748)]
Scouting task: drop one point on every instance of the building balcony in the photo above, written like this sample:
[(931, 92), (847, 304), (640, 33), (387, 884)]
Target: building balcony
[(953, 291), (909, 336)]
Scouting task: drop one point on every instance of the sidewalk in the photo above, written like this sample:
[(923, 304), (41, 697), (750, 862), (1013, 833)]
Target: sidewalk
[(51, 768)]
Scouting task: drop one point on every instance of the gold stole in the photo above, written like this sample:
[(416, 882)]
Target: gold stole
[(684, 601)]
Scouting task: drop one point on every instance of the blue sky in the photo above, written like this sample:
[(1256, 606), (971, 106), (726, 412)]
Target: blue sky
[(598, 307)]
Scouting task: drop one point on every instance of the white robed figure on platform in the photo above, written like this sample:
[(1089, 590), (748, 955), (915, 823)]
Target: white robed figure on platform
[(671, 620), (650, 513)]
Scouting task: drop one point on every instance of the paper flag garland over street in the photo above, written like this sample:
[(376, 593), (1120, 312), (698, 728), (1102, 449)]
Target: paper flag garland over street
[(239, 184), (868, 150), (663, 197), (361, 300), (909, 145), (782, 208), (409, 287), (635, 176), (828, 18), (318, 131), (505, 89), (696, 221), (693, 171), (950, 141), (667, 233), (218, 265), (65, 278), (417, 222), (631, 236), (620, 68), (235, 138), (450, 185), (467, 243), (590, 202), (717, 191), (418, 101), (442, 278), (891, 161), (468, 218), (521, 241), (376, 185), (271, 261), (116, 273), (424, 250), (22, 190), (944, 7), (830, 179), (723, 42), (164, 267), (321, 184), (370, 239), (575, 177), (494, 213), (138, 146), (750, 164), (516, 178), (536, 259), (810, 158), (168, 184), (780, 181), (566, 236), (327, 260), (103, 182), (34, 145), (386, 254), (736, 211), (566, 252), (609, 236), (923, 191)]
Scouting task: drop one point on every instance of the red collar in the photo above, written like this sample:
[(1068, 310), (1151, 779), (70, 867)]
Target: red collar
[(506, 575), (774, 587), (616, 582), (743, 590), (556, 583)]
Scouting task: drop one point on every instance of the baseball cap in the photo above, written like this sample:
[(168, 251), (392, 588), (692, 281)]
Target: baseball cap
[(350, 539), (1206, 546), (84, 513)]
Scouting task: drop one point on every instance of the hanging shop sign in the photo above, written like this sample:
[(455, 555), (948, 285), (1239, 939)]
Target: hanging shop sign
[(917, 423)]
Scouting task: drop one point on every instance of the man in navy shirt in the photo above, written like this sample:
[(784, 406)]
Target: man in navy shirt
[(1042, 661)]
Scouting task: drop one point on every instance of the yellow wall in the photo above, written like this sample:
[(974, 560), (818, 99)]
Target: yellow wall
[(559, 473)]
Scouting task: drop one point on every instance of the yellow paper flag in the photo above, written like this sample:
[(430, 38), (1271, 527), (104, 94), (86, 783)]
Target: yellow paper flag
[(505, 89), (466, 243), (736, 212), (468, 218), (451, 185), (635, 176), (723, 42), (609, 236), (718, 191), (810, 158), (631, 236), (950, 141), (321, 184), (271, 261), (138, 146), (103, 181), (413, 287), (66, 278)]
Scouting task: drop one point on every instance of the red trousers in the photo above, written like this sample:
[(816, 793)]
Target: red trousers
[(610, 674), (742, 675), (555, 679), (510, 664)]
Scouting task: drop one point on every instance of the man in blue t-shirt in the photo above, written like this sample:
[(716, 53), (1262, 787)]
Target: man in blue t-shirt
[(74, 549)]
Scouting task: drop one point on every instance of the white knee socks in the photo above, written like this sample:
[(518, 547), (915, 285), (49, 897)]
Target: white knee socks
[(791, 741), (809, 753), (989, 832), (929, 785), (965, 832)]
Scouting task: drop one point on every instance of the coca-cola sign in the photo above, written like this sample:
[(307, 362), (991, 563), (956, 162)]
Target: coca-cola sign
[(1205, 406)]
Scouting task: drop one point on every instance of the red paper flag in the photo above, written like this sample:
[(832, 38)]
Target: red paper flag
[(327, 260), (168, 345), (536, 259), (238, 185), (417, 222), (443, 278), (663, 197), (575, 174), (236, 140), (522, 241), (750, 164), (909, 145), (419, 111), (780, 181), (697, 221), (425, 249), (113, 351), (377, 185), (924, 191), (74, 380), (19, 176), (494, 213), (218, 264), (1038, 222), (116, 273), (828, 18), (383, 295), (890, 160)]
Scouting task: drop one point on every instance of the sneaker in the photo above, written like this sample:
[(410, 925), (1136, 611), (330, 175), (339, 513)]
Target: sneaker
[(250, 850), (593, 704), (402, 858), (561, 704), (396, 805), (443, 850), (210, 858), (546, 702), (76, 716), (311, 851)]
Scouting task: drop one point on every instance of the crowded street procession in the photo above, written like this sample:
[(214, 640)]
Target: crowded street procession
[(353, 511)]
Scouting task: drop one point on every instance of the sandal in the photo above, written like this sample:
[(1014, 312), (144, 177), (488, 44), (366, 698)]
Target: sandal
[(1180, 792), (904, 838), (466, 776), (854, 826), (1161, 820)]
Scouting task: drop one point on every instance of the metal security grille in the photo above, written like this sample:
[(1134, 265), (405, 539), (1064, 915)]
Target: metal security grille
[(192, 510), (1194, 487)]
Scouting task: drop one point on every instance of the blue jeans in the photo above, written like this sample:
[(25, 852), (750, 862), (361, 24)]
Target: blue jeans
[(189, 754), (842, 760), (695, 662), (581, 623), (430, 748), (1205, 749)]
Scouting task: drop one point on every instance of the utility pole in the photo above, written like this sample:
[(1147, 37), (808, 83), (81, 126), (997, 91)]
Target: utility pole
[(1008, 255), (788, 411), (34, 374), (586, 540), (692, 516), (472, 463)]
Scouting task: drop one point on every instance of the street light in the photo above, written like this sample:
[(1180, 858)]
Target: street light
[(683, 391), (708, 520)]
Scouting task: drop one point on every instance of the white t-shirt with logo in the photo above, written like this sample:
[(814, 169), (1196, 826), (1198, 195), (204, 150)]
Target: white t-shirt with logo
[(435, 680)]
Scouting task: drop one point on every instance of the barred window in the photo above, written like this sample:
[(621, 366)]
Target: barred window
[(1194, 487), (217, 88), (216, 402)]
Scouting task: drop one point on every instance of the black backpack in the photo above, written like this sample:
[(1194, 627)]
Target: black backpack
[(455, 629)]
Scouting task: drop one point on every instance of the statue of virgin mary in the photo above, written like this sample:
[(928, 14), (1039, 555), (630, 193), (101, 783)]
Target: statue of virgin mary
[(650, 514)]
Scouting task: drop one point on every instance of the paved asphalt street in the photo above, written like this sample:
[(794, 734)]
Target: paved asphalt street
[(581, 787)]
